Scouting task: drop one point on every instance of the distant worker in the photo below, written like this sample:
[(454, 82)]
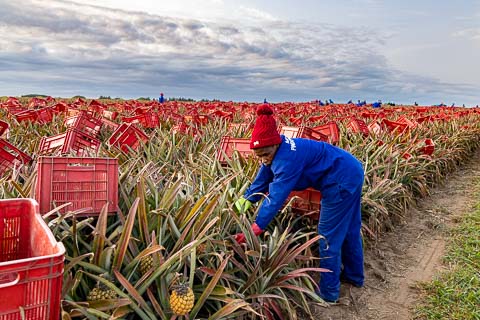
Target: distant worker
[(265, 100), (377, 104), (361, 103), (320, 103), (416, 104), (161, 99)]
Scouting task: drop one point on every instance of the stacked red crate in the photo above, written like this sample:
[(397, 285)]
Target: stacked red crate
[(79, 139)]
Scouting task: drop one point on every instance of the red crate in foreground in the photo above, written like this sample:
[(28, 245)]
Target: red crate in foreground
[(229, 145), (31, 263), (85, 182), (307, 204)]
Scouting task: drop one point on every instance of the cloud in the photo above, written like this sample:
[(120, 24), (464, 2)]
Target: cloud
[(470, 33), (66, 47)]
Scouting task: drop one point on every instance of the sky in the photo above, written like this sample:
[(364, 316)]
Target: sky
[(401, 51)]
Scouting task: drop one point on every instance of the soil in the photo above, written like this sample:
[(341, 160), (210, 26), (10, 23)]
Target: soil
[(410, 254)]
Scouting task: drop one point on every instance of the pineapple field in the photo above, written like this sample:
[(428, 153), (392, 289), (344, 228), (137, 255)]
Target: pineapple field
[(151, 236)]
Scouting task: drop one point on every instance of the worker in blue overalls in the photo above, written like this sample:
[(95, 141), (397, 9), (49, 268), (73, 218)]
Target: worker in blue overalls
[(296, 164)]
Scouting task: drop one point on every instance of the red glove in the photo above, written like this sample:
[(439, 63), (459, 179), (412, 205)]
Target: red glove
[(240, 237)]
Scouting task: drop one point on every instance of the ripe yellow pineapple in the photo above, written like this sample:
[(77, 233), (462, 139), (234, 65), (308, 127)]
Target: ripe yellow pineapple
[(182, 299), (101, 292)]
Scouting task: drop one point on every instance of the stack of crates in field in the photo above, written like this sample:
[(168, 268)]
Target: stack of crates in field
[(31, 263), (87, 184), (80, 138)]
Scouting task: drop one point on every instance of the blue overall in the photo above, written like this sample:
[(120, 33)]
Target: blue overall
[(303, 163)]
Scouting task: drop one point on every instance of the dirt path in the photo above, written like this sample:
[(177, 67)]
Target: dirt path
[(411, 253)]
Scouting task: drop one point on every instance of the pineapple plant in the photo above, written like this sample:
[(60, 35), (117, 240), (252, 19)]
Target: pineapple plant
[(175, 191)]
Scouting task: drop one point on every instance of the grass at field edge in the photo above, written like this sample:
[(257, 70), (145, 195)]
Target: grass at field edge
[(455, 293)]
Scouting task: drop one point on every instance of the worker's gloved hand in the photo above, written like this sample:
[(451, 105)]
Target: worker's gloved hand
[(240, 237), (243, 204)]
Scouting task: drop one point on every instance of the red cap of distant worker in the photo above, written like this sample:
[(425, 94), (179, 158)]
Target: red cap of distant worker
[(265, 130)]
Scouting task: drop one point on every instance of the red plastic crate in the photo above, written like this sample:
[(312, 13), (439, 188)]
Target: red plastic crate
[(44, 115), (110, 115), (410, 123), (308, 204), (3, 127), (11, 156), (358, 126), (31, 263), (303, 132), (147, 120), (229, 145), (374, 127), (393, 126), (428, 147), (85, 182), (27, 115), (109, 123), (330, 130), (72, 140), (424, 119), (84, 122), (127, 136), (14, 109)]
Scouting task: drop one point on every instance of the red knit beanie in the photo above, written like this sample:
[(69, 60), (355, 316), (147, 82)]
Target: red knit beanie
[(265, 130)]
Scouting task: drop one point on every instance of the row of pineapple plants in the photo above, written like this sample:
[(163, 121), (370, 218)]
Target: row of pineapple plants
[(172, 236)]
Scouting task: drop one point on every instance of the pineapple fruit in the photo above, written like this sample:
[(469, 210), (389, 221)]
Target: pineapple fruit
[(101, 292), (182, 299), (146, 263)]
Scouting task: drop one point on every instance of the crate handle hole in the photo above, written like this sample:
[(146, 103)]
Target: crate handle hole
[(9, 279), (81, 166)]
